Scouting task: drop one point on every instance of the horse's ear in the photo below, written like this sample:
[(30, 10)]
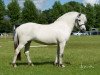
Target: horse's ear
[(79, 15)]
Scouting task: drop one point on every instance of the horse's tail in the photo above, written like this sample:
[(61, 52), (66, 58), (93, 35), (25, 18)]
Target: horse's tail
[(16, 43)]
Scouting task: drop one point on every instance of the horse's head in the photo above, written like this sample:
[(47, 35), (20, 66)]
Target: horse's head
[(80, 22)]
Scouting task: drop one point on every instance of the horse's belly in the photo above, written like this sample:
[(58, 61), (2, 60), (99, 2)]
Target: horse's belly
[(46, 40)]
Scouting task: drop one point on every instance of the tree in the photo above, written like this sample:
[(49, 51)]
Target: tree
[(29, 12), (2, 13), (54, 13), (2, 10), (74, 6), (6, 27), (48, 14), (42, 18), (57, 11), (97, 15), (14, 12), (90, 13)]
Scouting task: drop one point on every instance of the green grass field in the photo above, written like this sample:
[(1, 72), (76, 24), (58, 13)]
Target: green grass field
[(82, 52)]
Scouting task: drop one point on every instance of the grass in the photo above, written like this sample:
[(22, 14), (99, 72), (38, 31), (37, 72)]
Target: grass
[(82, 52)]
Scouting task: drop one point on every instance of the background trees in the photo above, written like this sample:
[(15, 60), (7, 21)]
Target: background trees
[(2, 13), (97, 15), (57, 10), (13, 14), (73, 6), (29, 12)]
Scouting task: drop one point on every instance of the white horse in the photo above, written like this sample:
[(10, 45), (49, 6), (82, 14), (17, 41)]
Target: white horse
[(54, 33)]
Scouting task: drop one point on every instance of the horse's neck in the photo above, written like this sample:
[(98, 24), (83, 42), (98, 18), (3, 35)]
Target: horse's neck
[(69, 21)]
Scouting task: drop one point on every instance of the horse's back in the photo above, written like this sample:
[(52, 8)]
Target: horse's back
[(34, 31)]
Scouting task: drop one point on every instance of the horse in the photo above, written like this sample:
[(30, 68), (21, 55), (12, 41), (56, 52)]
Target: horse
[(57, 33)]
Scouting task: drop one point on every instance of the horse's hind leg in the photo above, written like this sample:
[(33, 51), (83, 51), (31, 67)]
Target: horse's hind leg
[(27, 46), (20, 46)]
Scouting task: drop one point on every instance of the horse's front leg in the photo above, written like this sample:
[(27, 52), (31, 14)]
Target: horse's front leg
[(57, 55), (60, 51)]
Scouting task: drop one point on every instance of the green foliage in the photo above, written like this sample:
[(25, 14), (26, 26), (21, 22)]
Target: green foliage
[(42, 18), (29, 12), (48, 14), (58, 10), (97, 15), (2, 13), (90, 16), (2, 9), (5, 26), (14, 12), (73, 6)]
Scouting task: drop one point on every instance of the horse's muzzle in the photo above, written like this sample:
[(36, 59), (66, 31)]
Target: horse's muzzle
[(83, 30)]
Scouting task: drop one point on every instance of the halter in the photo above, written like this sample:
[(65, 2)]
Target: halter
[(76, 20)]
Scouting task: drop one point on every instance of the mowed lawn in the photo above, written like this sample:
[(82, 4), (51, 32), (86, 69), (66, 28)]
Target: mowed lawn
[(81, 57)]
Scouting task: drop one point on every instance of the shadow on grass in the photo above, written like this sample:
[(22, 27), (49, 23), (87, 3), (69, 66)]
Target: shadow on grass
[(40, 63), (35, 63), (43, 63)]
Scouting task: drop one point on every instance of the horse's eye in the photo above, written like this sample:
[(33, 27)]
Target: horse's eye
[(79, 20)]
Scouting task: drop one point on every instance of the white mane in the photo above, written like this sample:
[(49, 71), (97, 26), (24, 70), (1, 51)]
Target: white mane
[(68, 15)]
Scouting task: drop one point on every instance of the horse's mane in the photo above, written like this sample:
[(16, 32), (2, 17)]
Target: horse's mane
[(67, 15)]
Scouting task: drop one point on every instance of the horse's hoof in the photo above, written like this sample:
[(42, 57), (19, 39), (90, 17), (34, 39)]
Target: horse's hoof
[(61, 65), (56, 64), (14, 65), (30, 64)]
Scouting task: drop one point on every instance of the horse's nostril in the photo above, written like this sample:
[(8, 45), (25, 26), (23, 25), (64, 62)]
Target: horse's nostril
[(83, 30)]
